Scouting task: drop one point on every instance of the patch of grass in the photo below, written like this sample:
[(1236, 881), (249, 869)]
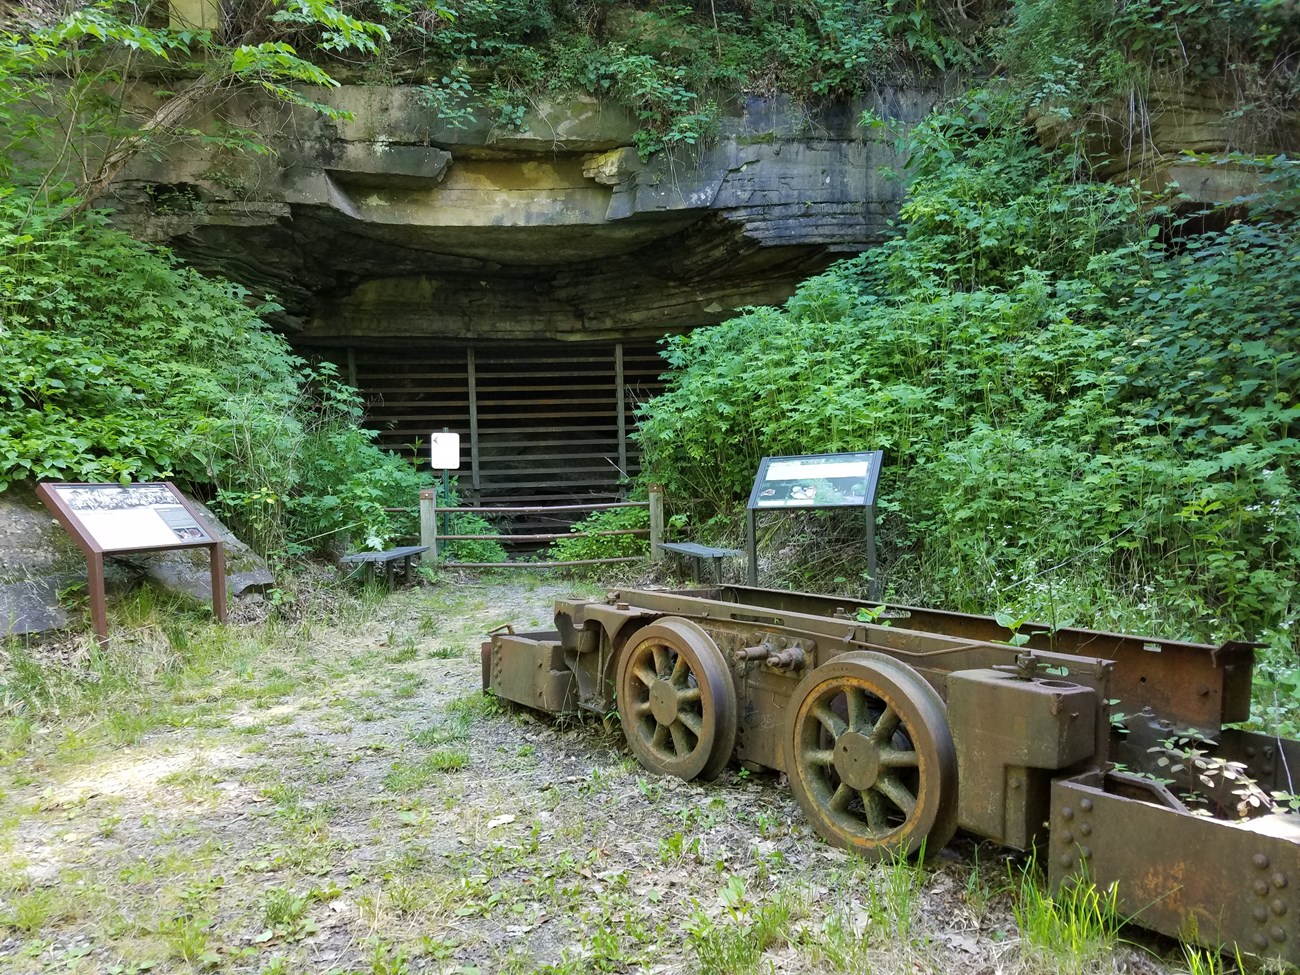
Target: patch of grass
[(1072, 929), (407, 686), (446, 653), (404, 652), (893, 890), (480, 704), (31, 911), (446, 733), (409, 776), (734, 942)]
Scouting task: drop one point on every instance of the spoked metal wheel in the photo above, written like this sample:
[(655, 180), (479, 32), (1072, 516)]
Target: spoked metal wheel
[(676, 700), (870, 757)]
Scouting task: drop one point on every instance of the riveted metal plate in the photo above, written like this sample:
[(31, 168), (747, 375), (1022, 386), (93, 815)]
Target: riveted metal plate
[(1216, 882)]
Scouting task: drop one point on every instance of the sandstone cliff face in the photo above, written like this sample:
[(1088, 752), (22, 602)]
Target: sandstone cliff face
[(390, 226)]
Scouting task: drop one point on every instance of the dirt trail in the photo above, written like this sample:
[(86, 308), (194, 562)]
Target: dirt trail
[(350, 802)]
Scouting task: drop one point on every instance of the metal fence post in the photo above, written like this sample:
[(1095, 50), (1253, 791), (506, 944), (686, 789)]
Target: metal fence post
[(656, 521), (429, 522)]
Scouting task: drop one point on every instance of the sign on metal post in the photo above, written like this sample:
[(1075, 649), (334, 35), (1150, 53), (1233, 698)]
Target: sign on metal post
[(104, 519), (444, 455), (816, 481), (444, 451)]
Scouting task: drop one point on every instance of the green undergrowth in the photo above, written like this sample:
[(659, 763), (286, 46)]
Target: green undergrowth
[(118, 363), (1087, 404), (584, 546), (671, 65)]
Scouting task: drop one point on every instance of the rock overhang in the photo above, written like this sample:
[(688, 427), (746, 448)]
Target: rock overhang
[(356, 225)]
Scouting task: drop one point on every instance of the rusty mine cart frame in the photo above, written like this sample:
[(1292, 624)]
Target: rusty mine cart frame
[(897, 726)]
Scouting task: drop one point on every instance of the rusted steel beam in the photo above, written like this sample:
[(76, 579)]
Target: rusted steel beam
[(1229, 884)]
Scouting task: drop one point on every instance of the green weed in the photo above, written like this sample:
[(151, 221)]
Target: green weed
[(1072, 929)]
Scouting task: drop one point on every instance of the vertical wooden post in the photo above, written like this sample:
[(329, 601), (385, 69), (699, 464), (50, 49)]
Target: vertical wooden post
[(352, 367), (217, 567), (471, 369), (621, 406), (429, 522), (656, 522), (98, 603)]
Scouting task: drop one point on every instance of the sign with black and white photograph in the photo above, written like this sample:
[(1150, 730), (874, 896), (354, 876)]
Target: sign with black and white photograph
[(133, 516)]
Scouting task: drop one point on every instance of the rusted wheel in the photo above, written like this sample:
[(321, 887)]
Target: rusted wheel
[(870, 757), (676, 700)]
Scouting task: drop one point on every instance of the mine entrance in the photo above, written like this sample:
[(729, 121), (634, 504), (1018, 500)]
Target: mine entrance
[(539, 422)]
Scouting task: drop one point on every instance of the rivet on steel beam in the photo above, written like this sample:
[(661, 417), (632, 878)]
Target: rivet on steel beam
[(1260, 861), (1067, 812), (1085, 828), (1279, 906), (1067, 837), (1261, 913), (1278, 933), (1261, 887), (1261, 940), (1067, 861), (1250, 751), (1279, 880), (1085, 853), (1085, 805)]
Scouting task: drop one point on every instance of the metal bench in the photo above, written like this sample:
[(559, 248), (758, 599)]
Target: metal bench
[(388, 559), (699, 553)]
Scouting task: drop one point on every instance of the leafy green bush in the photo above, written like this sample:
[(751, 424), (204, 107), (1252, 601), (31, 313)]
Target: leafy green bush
[(464, 523), (670, 64), (607, 546), (1081, 423), (117, 363)]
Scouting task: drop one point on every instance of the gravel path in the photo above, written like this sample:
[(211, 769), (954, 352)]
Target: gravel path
[(342, 798)]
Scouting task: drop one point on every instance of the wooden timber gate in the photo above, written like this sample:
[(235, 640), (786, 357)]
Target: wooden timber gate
[(541, 423)]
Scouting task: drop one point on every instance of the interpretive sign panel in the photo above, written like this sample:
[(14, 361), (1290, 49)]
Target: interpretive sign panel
[(817, 481), (105, 519), (133, 517)]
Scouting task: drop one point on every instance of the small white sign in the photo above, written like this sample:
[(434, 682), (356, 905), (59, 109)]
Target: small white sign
[(444, 451)]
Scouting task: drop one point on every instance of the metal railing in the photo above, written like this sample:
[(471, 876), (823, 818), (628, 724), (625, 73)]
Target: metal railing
[(430, 536)]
